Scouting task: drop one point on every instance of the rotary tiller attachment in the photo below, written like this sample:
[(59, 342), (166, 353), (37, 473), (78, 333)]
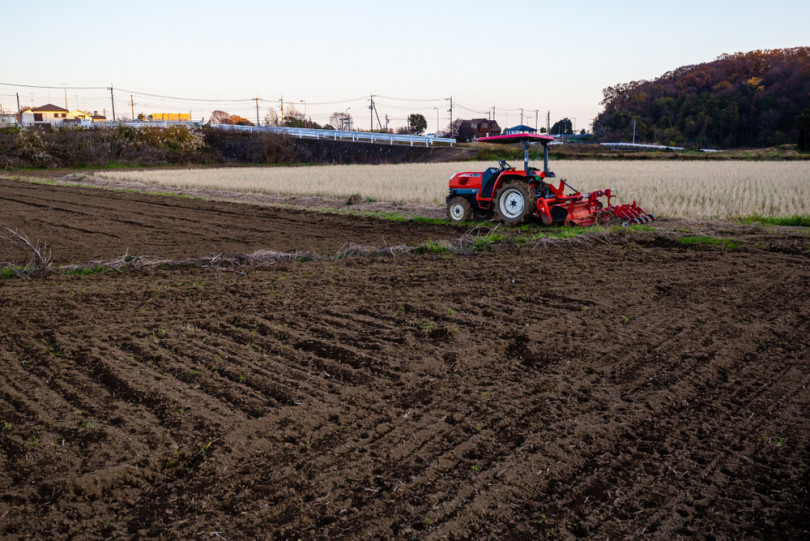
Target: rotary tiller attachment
[(631, 214)]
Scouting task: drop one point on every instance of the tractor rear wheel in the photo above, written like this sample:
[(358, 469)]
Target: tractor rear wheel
[(514, 202), (459, 210)]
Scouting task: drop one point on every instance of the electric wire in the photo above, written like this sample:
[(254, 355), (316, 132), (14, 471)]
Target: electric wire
[(245, 106)]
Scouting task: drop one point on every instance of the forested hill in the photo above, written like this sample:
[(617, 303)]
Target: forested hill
[(739, 100)]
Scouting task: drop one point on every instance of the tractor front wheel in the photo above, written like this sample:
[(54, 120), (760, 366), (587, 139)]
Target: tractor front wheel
[(514, 202), (459, 210)]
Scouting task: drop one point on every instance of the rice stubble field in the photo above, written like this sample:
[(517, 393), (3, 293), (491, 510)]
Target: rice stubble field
[(675, 189)]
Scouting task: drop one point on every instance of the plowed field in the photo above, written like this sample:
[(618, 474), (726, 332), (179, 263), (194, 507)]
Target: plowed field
[(634, 388)]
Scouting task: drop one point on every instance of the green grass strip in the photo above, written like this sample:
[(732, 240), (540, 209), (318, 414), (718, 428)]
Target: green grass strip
[(709, 241), (796, 220)]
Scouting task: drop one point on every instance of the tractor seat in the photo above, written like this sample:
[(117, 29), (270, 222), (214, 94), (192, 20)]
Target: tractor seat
[(488, 175)]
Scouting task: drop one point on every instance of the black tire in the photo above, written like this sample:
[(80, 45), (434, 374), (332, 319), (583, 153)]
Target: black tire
[(513, 202), (459, 210), (482, 214)]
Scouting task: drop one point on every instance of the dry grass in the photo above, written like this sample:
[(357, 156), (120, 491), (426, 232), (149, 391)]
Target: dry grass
[(675, 189)]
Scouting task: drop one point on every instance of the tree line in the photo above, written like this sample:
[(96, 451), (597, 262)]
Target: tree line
[(755, 99)]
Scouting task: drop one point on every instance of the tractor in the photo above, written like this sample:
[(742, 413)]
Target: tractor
[(513, 197)]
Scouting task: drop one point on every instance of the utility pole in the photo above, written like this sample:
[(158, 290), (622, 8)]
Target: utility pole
[(257, 111), (521, 116), (451, 116), (132, 103), (548, 123), (634, 131), (371, 113), (112, 98), (66, 105), (282, 111), (386, 122), (536, 118), (437, 120), (19, 111), (377, 114)]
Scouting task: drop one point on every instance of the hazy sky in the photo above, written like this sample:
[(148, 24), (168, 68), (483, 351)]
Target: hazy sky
[(545, 56)]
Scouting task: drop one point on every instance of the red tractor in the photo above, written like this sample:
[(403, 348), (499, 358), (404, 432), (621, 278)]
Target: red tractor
[(513, 197)]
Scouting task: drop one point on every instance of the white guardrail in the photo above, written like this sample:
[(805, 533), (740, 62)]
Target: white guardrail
[(335, 135), (356, 136)]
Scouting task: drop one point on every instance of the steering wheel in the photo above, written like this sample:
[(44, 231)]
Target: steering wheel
[(505, 165)]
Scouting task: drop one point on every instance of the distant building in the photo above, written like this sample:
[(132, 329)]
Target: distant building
[(170, 117), (47, 114), (76, 114), (8, 119), (480, 127), (520, 128)]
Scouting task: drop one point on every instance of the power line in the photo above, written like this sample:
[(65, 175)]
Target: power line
[(409, 99), (58, 87), (184, 99)]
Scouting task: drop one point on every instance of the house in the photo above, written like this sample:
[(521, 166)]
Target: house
[(77, 114), (47, 114), (478, 127), (520, 128)]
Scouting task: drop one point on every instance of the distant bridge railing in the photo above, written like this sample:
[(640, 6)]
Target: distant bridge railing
[(355, 136)]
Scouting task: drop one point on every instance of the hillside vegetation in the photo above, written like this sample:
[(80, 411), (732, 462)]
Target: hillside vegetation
[(123, 146), (749, 99)]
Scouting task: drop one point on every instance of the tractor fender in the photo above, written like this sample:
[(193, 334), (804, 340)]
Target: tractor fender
[(493, 187)]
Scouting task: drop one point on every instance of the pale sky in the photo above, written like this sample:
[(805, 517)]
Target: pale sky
[(412, 55)]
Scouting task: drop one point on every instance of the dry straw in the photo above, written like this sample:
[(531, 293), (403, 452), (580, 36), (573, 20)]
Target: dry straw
[(691, 189)]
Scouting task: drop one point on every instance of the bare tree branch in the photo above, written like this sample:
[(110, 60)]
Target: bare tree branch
[(39, 254)]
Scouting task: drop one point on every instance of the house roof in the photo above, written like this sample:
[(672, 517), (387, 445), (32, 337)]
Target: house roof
[(521, 128), (480, 120), (50, 108)]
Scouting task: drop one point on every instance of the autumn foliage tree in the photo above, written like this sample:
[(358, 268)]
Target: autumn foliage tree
[(221, 117), (741, 100)]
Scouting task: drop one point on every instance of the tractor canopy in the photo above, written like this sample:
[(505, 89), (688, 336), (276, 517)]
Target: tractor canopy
[(526, 139)]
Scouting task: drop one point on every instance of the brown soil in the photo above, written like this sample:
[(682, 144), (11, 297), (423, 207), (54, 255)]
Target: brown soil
[(81, 225), (621, 388)]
